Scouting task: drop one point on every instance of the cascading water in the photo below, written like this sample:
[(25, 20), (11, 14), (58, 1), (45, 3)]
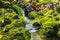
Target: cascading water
[(31, 29), (29, 26)]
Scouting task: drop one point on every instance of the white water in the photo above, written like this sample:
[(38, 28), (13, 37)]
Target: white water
[(29, 26)]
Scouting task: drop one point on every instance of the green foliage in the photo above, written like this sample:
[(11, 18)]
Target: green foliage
[(7, 21), (8, 1), (1, 36), (47, 22), (12, 25), (32, 14), (18, 33), (17, 9), (43, 1), (26, 1), (58, 9)]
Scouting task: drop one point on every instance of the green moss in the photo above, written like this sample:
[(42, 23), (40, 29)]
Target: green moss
[(32, 15)]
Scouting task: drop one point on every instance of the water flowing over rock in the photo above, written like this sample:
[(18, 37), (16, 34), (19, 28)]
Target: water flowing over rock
[(29, 25), (31, 29)]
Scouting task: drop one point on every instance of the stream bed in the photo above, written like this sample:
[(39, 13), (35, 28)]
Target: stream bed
[(35, 36)]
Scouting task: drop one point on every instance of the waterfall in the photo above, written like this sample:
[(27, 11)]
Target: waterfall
[(29, 26)]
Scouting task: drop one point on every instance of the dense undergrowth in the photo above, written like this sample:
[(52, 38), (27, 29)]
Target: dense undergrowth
[(12, 24), (47, 21)]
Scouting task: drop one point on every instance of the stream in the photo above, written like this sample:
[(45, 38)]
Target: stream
[(30, 28)]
